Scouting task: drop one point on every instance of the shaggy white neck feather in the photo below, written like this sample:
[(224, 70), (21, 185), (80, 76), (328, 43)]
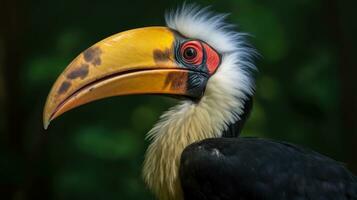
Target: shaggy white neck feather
[(221, 105), (190, 122)]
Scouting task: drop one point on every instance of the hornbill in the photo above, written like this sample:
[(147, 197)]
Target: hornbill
[(196, 152)]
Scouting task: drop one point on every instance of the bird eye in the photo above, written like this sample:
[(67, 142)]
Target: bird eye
[(191, 52)]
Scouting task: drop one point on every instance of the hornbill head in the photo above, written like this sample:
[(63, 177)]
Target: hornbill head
[(197, 57), (178, 60)]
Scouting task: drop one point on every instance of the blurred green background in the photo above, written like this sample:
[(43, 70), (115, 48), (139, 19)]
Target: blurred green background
[(306, 90)]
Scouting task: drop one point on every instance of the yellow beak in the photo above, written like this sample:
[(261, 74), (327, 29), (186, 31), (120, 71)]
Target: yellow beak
[(139, 61)]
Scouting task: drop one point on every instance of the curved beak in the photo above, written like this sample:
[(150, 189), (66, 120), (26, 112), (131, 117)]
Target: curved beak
[(138, 61)]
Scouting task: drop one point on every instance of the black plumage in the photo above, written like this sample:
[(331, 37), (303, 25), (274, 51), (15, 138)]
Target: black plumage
[(253, 168), (244, 168)]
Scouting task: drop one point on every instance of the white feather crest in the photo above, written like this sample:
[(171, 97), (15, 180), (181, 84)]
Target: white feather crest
[(195, 22)]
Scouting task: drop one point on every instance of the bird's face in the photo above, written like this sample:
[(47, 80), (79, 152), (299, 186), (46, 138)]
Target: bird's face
[(152, 60)]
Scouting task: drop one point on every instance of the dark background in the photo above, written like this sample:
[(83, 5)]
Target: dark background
[(306, 91)]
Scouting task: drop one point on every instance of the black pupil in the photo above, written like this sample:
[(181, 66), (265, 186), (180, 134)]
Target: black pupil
[(189, 53)]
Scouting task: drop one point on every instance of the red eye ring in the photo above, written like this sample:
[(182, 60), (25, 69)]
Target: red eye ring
[(191, 52)]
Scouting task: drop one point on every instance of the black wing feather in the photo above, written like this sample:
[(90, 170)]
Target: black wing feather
[(252, 168)]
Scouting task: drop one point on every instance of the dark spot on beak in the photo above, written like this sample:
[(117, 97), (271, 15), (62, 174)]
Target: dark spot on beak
[(91, 89), (161, 56), (97, 61), (80, 72), (92, 55), (176, 80), (64, 87)]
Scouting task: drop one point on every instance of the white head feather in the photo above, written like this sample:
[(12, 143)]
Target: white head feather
[(221, 105)]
